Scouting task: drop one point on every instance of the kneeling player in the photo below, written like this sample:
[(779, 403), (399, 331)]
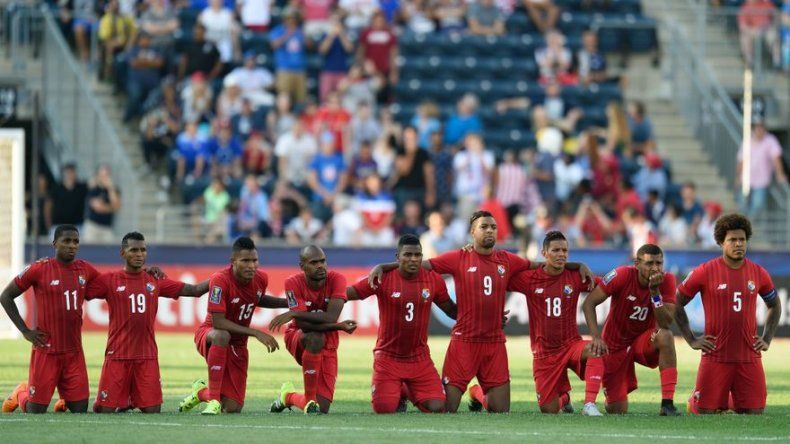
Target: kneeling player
[(731, 375), (130, 375), (552, 293), (642, 295), (315, 298), (401, 357)]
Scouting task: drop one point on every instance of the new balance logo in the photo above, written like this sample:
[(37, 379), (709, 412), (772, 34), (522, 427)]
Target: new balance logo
[(55, 282), (121, 288), (235, 301), (309, 372), (538, 291), (472, 269), (215, 368), (722, 287), (631, 298)]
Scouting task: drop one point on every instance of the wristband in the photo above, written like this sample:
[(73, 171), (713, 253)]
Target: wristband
[(657, 301)]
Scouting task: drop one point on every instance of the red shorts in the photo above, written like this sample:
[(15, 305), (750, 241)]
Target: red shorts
[(66, 371), (234, 382), (551, 375), (619, 377), (716, 380), (389, 374), (328, 371), (133, 382), (485, 360)]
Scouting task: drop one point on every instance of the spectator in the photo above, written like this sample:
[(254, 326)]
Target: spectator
[(785, 35), (641, 128), (672, 229), (159, 130), (281, 119), (257, 155), (196, 98), (418, 17), (256, 82), (639, 230), (247, 121), (543, 13), (543, 167), (215, 203), (145, 64), (226, 152), (362, 166), (70, 195), (326, 177), (567, 176), (690, 205), (190, 155), (295, 151), (491, 204), (230, 101), (568, 225), (412, 222), (384, 154), (379, 44), (252, 216), (288, 43), (707, 223), (364, 127), (511, 181), (393, 10), (594, 223), (346, 222), (605, 171), (200, 55), (332, 117), (618, 133), (161, 23), (336, 47), (359, 13), (555, 59), (766, 161), (592, 63), (83, 20), (316, 14), (115, 33), (651, 176), (450, 15), (755, 23), (464, 121), (654, 207), (378, 210), (285, 205), (44, 206), (426, 122), (104, 201), (472, 169), (304, 229), (485, 18), (360, 86), (255, 14), (413, 168), (456, 228), (442, 159), (221, 29), (436, 240), (628, 198)]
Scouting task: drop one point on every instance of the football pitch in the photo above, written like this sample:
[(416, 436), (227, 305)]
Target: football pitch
[(351, 419)]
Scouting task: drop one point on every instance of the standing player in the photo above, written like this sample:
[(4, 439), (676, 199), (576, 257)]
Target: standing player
[(222, 339), (643, 295), (315, 299), (57, 359), (402, 356), (731, 370), (131, 368), (477, 343), (552, 293)]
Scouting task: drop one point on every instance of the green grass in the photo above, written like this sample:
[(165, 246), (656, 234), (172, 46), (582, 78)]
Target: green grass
[(351, 418)]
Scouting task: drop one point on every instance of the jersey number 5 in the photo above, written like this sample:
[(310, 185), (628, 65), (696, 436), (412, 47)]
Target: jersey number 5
[(737, 302)]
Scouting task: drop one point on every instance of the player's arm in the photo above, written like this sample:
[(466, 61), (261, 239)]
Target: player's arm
[(347, 326), (664, 311), (329, 316), (269, 301), (593, 300), (449, 308), (220, 322), (374, 278), (196, 290), (705, 342), (11, 292), (351, 294), (761, 343)]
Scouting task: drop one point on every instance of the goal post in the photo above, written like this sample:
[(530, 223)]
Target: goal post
[(12, 218)]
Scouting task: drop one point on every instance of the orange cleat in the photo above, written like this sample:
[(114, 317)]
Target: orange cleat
[(60, 406), (12, 402)]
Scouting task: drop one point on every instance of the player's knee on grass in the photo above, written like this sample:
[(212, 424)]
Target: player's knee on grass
[(219, 337), (617, 408), (454, 395), (313, 342), (103, 409), (231, 406), (32, 407), (385, 406), (749, 411), (432, 406), (552, 406), (323, 404), (664, 339), (499, 399), (152, 409)]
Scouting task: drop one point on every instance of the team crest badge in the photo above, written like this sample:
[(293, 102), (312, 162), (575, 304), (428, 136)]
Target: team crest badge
[(500, 269), (81, 280), (216, 295), (150, 287), (31, 390), (291, 297), (750, 285), (396, 294), (426, 294), (567, 290)]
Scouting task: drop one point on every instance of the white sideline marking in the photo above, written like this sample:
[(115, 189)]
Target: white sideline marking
[(401, 430)]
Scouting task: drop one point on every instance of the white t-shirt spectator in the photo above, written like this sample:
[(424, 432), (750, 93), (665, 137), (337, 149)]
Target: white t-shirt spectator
[(566, 177), (673, 231), (764, 154), (219, 30), (346, 224), (470, 172), (255, 12), (254, 84), (299, 152), (307, 231), (359, 12)]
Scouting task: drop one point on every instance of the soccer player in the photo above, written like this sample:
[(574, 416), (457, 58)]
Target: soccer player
[(730, 374), (222, 338), (401, 356), (315, 299), (131, 367), (642, 295), (477, 343), (552, 293)]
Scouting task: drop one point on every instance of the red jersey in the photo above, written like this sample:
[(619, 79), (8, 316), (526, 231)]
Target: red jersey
[(480, 285), (133, 300), (378, 46), (238, 301), (303, 298), (631, 313), (552, 302), (59, 290), (729, 299), (404, 312)]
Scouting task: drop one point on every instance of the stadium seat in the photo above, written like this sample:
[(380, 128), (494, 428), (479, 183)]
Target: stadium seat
[(187, 18), (643, 37), (574, 22), (255, 41)]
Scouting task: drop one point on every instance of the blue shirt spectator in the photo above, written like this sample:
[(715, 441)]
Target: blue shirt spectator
[(329, 167), (225, 149), (190, 153), (463, 122), (290, 56)]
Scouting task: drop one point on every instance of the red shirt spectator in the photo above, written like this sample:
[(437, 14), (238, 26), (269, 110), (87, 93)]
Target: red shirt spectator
[(334, 118), (379, 44), (756, 14), (493, 206)]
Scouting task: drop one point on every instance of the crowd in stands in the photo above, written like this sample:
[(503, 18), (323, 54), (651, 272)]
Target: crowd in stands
[(281, 120)]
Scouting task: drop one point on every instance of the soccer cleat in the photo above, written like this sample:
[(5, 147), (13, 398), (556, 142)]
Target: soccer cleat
[(668, 409), (473, 404), (590, 409), (403, 405), (60, 406), (279, 404), (311, 408), (213, 407), (192, 401), (12, 402), (568, 407)]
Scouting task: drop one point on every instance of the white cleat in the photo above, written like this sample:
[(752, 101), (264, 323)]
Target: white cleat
[(590, 409)]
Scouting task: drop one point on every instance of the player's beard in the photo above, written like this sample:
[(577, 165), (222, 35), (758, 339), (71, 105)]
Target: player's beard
[(488, 242)]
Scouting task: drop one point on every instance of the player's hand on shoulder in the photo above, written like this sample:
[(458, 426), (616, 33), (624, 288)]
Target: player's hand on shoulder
[(706, 343), (280, 320), (348, 326), (588, 277), (36, 337), (598, 346), (468, 248), (375, 276), (267, 340), (156, 272), (760, 345)]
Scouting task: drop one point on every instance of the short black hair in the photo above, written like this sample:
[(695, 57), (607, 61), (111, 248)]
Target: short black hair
[(477, 215), (408, 239), (63, 229), (731, 222), (651, 249), (553, 236), (243, 243), (134, 235)]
